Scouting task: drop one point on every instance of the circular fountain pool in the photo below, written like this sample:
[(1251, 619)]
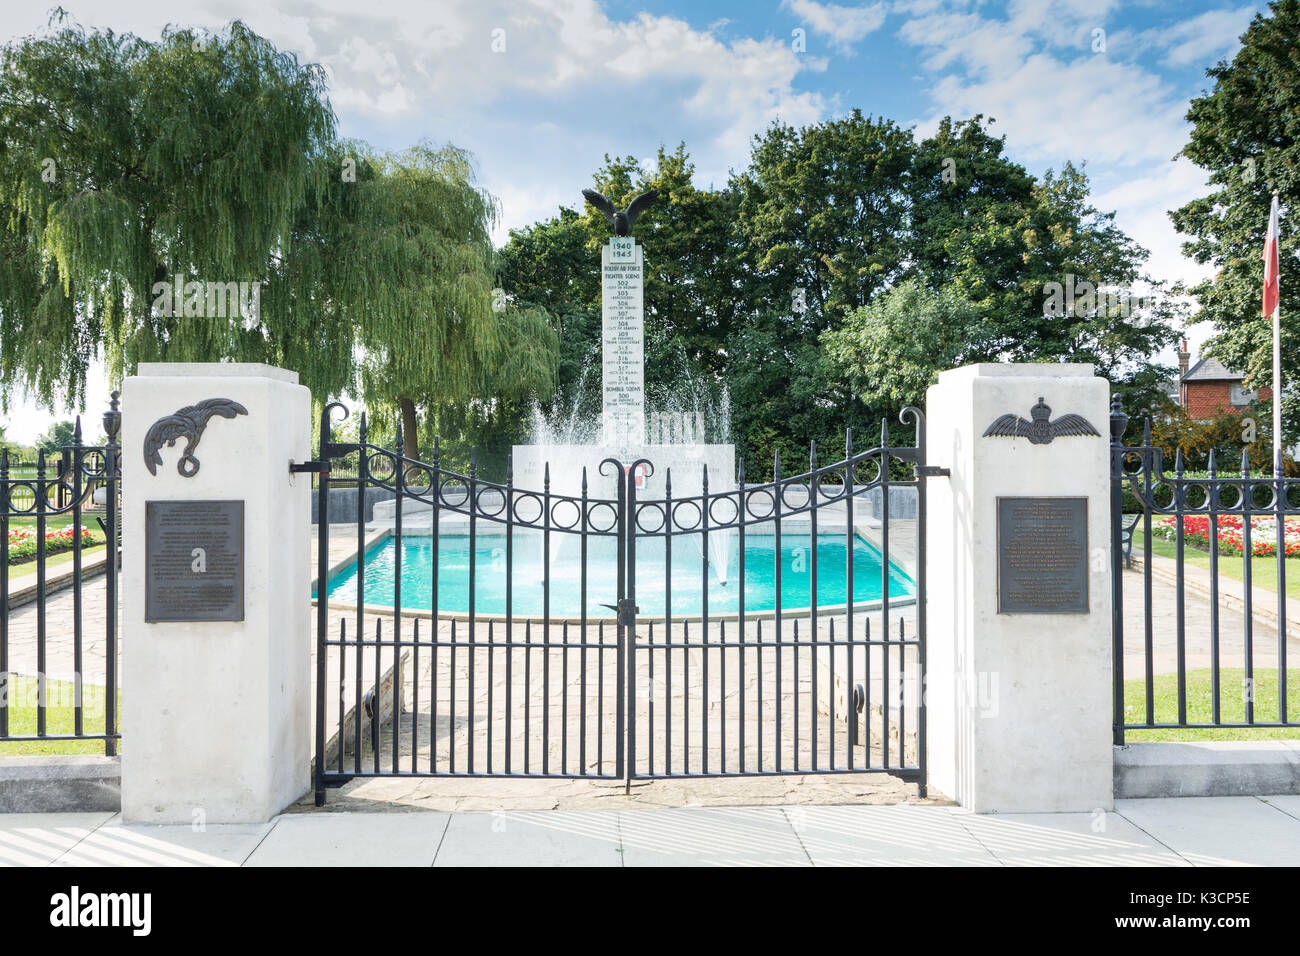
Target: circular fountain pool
[(655, 587)]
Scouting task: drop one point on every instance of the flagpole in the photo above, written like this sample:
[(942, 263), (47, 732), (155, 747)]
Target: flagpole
[(1273, 260), (1277, 389)]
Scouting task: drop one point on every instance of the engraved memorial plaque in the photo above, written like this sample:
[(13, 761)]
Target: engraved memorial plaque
[(1042, 555), (194, 561), (623, 344)]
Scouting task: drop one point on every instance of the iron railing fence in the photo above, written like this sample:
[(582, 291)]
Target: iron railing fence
[(58, 641), (430, 688), (1225, 665)]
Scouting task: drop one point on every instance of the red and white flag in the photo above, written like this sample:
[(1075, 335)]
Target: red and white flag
[(1271, 308), (1271, 262)]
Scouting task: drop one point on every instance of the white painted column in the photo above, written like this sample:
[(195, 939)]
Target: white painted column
[(1019, 704), (216, 717)]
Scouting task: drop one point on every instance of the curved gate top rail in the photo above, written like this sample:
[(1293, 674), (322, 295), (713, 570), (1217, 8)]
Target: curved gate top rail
[(1141, 468), (819, 686), (782, 496)]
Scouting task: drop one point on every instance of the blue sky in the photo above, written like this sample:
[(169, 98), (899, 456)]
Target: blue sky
[(1083, 80)]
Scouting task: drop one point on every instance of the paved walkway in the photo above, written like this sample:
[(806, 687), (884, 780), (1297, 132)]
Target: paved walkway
[(1196, 630), (1188, 831)]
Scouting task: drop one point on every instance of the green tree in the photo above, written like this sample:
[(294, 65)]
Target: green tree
[(136, 178), (56, 436), (410, 265), (822, 214), (895, 347), (985, 229), (1244, 135), (952, 213), (547, 265), (753, 284), (128, 163)]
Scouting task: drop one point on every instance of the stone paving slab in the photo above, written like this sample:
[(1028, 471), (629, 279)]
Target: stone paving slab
[(38, 839), (588, 838), (1193, 831), (710, 836), (352, 840), (1287, 803), (414, 794), (899, 835), (116, 844), (1219, 831), (1067, 839)]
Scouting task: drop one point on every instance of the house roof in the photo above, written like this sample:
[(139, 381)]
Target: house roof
[(1211, 370)]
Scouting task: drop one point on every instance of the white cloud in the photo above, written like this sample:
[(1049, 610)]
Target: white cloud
[(1090, 108), (843, 26), (1057, 100), (1142, 203), (1200, 41)]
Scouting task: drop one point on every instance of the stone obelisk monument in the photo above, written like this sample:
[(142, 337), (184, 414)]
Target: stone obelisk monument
[(623, 432), (623, 346)]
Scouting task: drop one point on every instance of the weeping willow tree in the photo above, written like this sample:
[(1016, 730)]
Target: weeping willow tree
[(137, 179), (414, 272), (131, 168)]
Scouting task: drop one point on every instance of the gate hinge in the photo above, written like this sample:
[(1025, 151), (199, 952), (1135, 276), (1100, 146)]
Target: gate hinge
[(317, 467), (932, 471)]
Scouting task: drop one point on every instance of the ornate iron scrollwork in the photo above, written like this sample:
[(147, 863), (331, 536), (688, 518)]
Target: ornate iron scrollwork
[(188, 423)]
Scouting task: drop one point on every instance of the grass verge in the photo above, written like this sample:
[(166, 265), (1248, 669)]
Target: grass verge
[(1200, 699), (59, 717)]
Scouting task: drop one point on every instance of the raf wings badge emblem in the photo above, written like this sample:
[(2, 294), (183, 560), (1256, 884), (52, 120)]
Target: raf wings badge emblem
[(1040, 429)]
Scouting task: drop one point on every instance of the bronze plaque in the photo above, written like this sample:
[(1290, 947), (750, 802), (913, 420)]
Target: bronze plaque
[(1042, 555), (194, 561)]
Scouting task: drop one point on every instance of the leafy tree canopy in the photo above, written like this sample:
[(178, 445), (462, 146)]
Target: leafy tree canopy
[(126, 163), (1244, 134)]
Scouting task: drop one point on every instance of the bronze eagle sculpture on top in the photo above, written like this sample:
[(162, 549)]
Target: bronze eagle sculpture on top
[(1041, 430), (188, 423), (621, 221)]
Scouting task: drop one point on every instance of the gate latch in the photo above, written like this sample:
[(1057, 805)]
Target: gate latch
[(626, 611), (317, 467), (932, 471)]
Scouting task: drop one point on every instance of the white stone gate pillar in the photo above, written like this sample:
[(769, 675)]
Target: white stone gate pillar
[(216, 623), (1018, 550)]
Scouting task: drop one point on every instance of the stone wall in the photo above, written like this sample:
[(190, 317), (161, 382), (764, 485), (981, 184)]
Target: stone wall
[(343, 504)]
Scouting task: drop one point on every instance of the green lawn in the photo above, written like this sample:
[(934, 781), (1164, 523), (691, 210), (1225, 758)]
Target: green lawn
[(1263, 569), (1199, 705), (58, 718)]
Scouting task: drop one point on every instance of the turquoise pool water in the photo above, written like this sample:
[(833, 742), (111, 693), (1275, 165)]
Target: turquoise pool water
[(651, 584)]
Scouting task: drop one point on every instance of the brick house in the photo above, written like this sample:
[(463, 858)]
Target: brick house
[(1209, 389)]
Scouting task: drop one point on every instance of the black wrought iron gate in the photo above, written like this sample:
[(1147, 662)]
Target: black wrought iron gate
[(597, 629)]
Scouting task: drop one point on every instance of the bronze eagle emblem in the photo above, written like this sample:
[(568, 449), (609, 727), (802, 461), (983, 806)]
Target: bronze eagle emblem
[(188, 423), (621, 221), (1040, 429)]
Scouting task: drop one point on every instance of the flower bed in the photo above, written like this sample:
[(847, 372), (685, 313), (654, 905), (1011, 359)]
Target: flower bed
[(23, 542), (1263, 533)]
